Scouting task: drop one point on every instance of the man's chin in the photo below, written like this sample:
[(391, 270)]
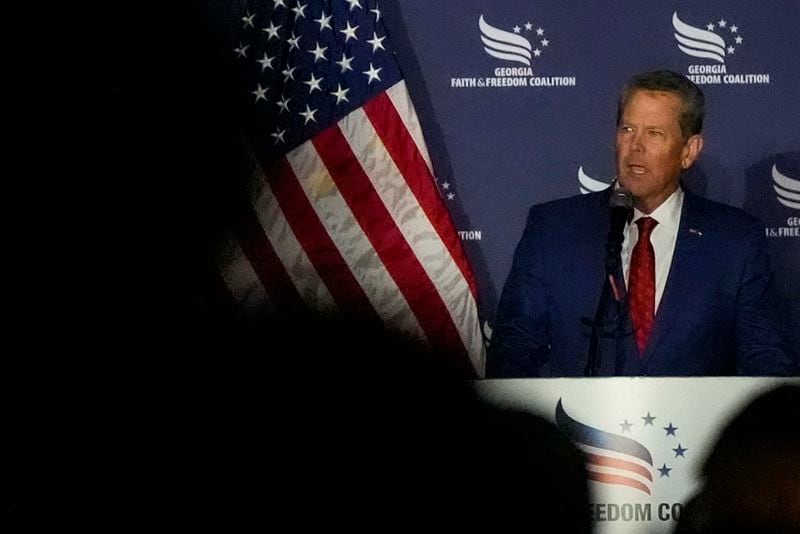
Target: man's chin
[(626, 183)]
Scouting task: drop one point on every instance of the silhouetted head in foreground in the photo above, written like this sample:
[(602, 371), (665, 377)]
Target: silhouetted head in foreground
[(377, 433), (752, 476)]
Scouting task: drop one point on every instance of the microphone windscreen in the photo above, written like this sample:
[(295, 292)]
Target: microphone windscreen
[(621, 198)]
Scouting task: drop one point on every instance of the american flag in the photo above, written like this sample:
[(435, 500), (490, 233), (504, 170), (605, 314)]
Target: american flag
[(610, 458), (344, 213)]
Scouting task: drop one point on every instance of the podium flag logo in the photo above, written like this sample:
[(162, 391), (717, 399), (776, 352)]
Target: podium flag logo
[(627, 461)]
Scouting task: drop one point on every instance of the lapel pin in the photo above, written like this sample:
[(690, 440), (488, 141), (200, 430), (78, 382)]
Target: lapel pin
[(696, 232)]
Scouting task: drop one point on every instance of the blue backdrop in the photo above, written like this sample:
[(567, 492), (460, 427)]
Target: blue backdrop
[(520, 109)]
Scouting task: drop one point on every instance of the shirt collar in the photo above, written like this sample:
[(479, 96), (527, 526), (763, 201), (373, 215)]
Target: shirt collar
[(668, 213)]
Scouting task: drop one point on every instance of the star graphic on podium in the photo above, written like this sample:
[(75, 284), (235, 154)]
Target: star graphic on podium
[(664, 470)]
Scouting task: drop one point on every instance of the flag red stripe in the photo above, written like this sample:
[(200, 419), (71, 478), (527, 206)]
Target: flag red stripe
[(388, 242), (266, 263), (621, 464), (406, 155), (619, 480), (348, 294)]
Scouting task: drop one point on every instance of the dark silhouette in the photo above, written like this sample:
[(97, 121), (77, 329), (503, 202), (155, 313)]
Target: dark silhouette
[(137, 396), (752, 476), (376, 433)]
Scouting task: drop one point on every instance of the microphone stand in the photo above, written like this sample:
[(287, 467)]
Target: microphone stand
[(599, 323)]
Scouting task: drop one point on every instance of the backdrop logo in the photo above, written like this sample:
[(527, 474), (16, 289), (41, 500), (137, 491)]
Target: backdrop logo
[(507, 45), (589, 184), (513, 51), (640, 462), (788, 189), (788, 194), (714, 44)]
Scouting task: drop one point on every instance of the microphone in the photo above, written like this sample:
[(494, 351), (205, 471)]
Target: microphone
[(621, 206)]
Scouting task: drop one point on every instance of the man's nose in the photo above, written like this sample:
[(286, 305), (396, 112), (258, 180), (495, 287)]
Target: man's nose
[(636, 142)]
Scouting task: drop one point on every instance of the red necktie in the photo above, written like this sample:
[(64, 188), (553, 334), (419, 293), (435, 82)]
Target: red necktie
[(642, 283)]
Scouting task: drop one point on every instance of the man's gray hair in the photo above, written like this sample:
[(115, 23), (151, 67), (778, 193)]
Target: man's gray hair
[(694, 103)]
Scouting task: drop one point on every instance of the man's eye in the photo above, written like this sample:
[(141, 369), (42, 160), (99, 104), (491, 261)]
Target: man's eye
[(625, 129), (656, 133)]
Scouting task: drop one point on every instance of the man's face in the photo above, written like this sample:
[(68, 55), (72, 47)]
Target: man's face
[(650, 149)]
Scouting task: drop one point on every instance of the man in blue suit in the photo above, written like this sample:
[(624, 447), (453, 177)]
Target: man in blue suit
[(691, 297)]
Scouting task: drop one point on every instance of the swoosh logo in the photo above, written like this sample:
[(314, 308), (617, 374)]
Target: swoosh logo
[(788, 189), (504, 45), (589, 184), (614, 459), (697, 42)]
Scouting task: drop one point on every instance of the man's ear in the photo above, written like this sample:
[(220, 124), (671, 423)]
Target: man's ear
[(691, 150)]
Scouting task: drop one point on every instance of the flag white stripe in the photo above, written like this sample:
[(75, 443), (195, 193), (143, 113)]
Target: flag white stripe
[(298, 266), (351, 241), (401, 100), (239, 276), (416, 228)]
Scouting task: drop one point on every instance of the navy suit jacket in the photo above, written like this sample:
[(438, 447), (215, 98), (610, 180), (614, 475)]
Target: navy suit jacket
[(714, 317)]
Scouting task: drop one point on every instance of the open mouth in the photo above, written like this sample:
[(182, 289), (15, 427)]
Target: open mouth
[(637, 169)]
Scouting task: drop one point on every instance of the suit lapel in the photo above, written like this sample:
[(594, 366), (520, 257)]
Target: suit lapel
[(681, 281)]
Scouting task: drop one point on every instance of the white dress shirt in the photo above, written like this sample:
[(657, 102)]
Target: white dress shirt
[(663, 239)]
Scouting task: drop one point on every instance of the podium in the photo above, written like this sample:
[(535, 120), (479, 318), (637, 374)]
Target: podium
[(645, 438)]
